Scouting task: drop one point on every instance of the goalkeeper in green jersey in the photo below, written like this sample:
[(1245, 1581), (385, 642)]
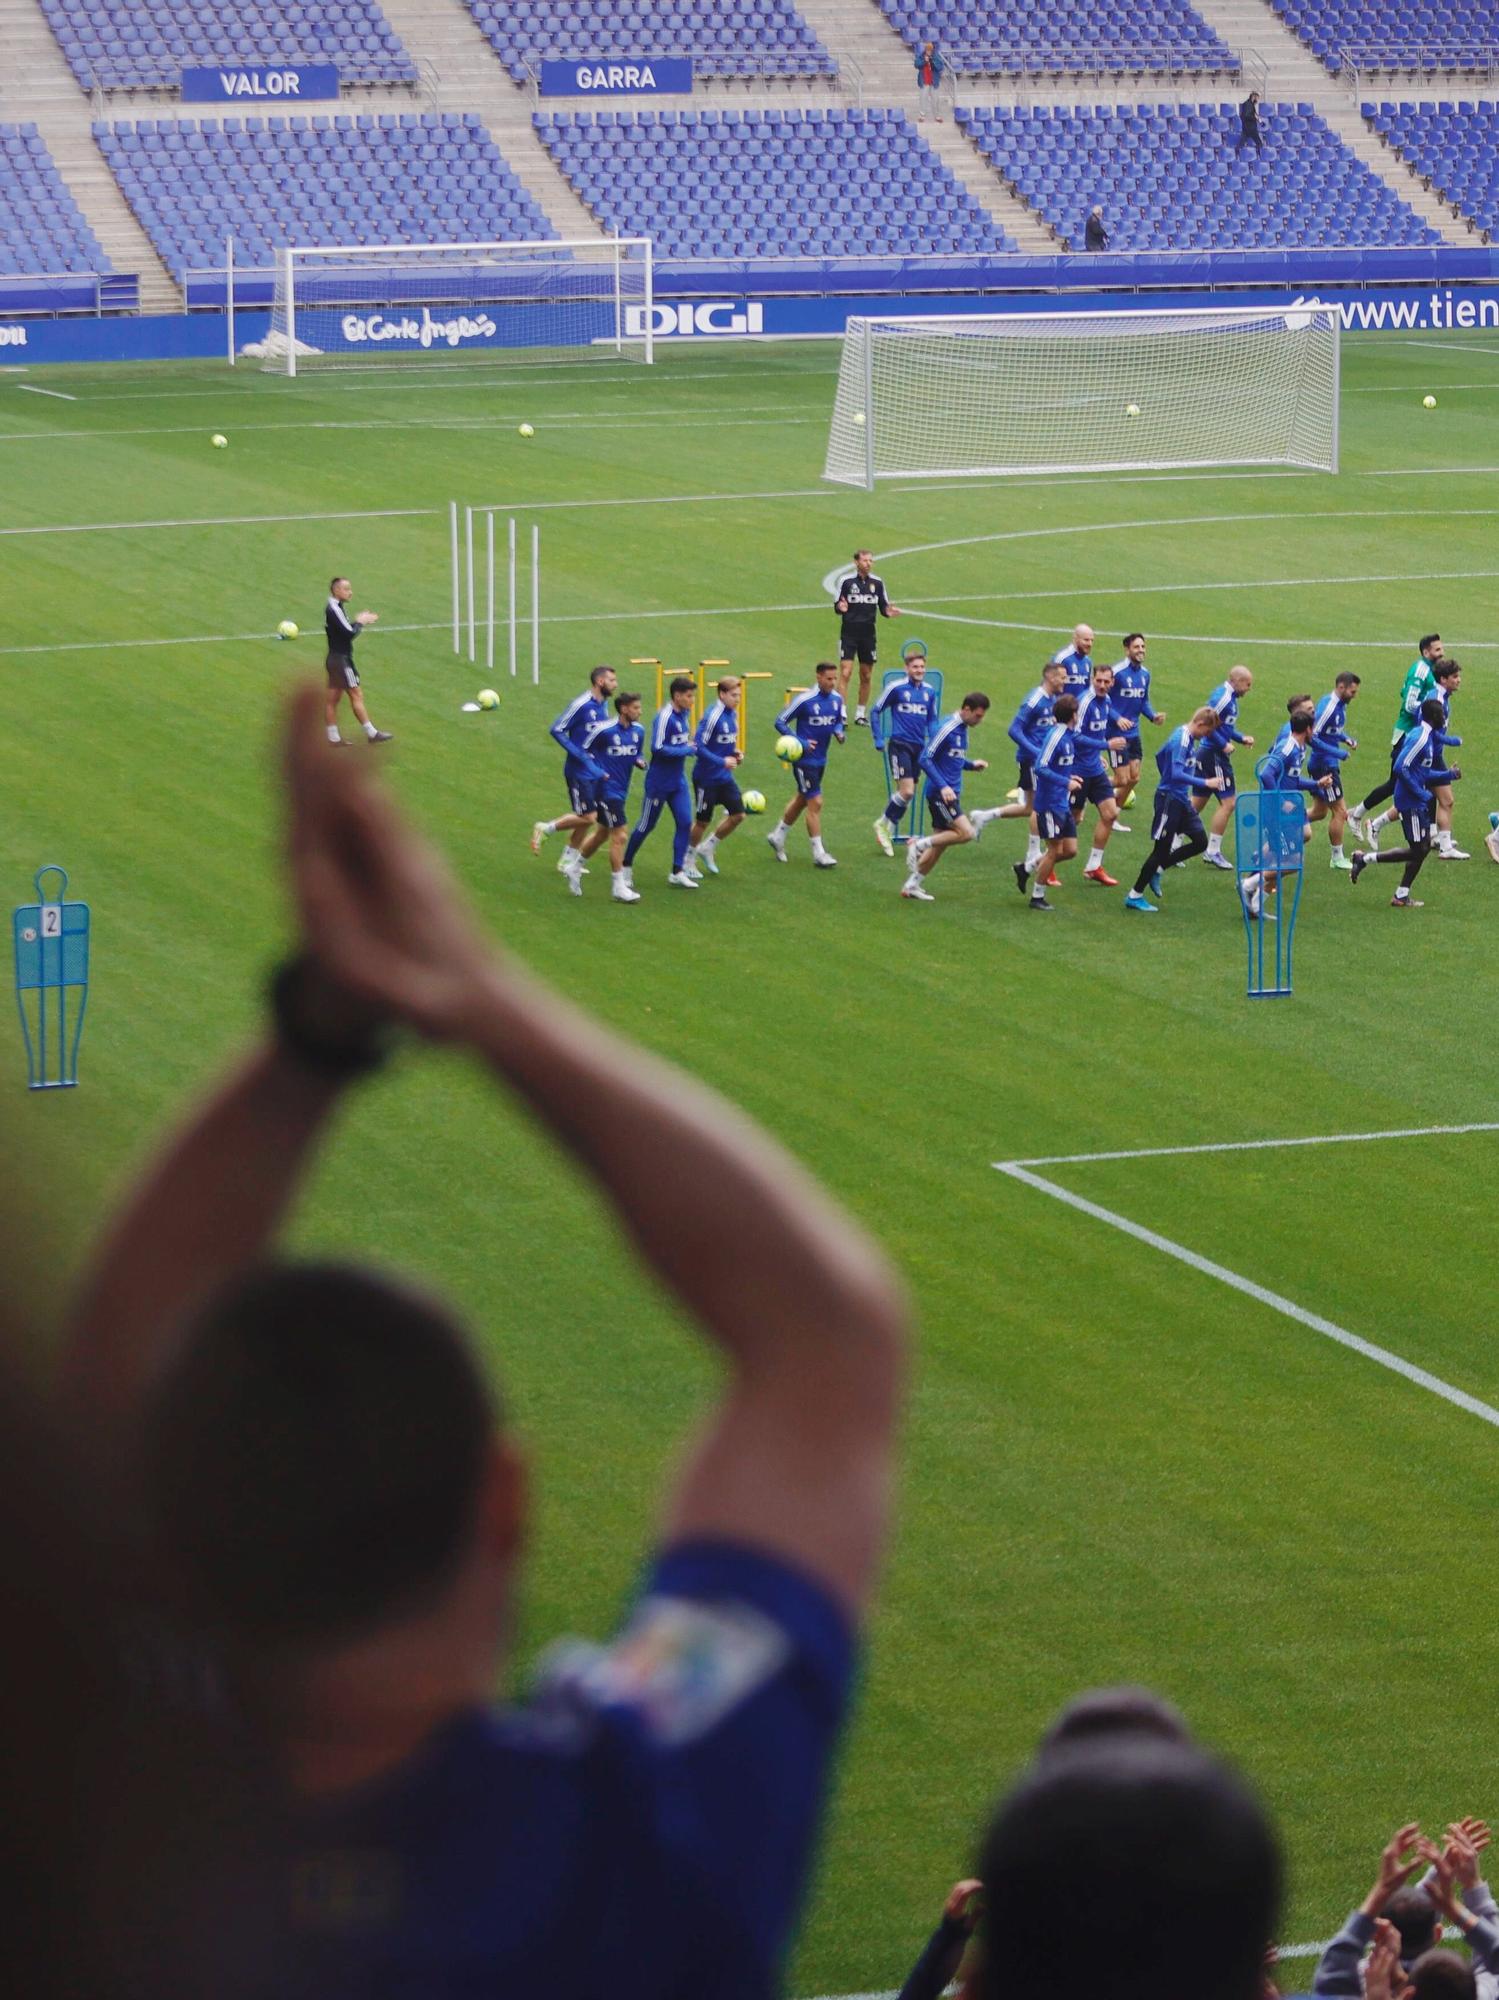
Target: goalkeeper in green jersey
[(1419, 685)]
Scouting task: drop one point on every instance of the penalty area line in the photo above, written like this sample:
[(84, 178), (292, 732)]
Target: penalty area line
[(1261, 1294), (1252, 1145), (35, 389)]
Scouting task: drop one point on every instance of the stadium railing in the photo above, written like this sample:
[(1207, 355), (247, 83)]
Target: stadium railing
[(1361, 63), (52, 294), (1107, 65)]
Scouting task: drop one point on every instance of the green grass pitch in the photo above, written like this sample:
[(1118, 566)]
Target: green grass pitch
[(1114, 1466)]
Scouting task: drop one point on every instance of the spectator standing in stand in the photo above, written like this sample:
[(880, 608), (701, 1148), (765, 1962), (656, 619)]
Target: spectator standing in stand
[(930, 65), (1095, 236), (1249, 124)]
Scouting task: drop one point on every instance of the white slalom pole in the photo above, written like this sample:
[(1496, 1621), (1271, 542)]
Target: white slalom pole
[(536, 604), (511, 599), (489, 602), (468, 537), (457, 601)]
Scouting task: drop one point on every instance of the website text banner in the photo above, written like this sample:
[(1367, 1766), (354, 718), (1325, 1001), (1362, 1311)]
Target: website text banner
[(274, 83), (617, 76)]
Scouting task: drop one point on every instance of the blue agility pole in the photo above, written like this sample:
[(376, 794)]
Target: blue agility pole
[(914, 823), (1270, 846), (51, 940)]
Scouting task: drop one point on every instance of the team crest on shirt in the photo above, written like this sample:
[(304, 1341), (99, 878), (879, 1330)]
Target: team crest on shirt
[(680, 1664)]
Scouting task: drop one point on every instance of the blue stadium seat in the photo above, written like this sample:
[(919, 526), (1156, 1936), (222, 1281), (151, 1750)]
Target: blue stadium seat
[(1457, 147), (1430, 37), (137, 48), (41, 228)]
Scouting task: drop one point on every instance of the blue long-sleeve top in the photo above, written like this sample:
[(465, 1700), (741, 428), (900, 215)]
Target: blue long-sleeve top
[(1097, 720), (946, 758), (1225, 705), (717, 741), (906, 712), (1178, 762), (814, 718), (1055, 768), (1280, 769), (1330, 743), (1032, 720), (671, 745), (1131, 694), (617, 746), (572, 729), (1417, 771)]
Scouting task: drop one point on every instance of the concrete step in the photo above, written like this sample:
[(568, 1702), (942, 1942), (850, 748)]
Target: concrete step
[(1003, 202)]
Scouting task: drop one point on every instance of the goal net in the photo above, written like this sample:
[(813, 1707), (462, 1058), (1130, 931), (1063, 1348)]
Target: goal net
[(351, 307), (1095, 391)]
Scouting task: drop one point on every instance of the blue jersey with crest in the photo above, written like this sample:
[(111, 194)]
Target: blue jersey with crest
[(814, 718), (619, 748), (1056, 762), (1329, 744), (572, 728), (1178, 761), (717, 739), (1418, 767), (1031, 722), (1132, 694), (905, 713), (671, 746), (1097, 720), (946, 758), (1280, 768), (1225, 705), (1078, 668)]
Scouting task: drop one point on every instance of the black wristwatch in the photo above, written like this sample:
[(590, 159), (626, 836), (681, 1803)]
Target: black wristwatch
[(340, 1058)]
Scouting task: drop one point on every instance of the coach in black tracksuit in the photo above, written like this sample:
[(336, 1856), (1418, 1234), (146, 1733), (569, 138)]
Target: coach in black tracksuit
[(1249, 124), (343, 676), (859, 600)]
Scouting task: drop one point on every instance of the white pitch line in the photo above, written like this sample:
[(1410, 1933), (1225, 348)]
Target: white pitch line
[(1281, 1951), (227, 521), (1207, 638), (1071, 591), (33, 389), (589, 421), (1252, 1145), (1288, 1308)]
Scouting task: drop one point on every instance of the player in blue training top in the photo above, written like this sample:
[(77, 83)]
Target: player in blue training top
[(1326, 755), (1281, 770), (581, 774), (1076, 661), (1132, 699), (671, 744), (714, 783), (816, 718), (619, 747), (1419, 777), (1027, 732), (1056, 785), (644, 1823), (1174, 815), (943, 763), (1100, 728), (1217, 760), (901, 722), (1445, 678)]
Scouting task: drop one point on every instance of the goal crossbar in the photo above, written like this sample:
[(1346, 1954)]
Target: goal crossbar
[(1121, 389)]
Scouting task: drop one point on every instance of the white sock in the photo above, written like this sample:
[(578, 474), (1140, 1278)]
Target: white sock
[(549, 826), (333, 732), (859, 713), (1382, 819), (780, 830), (1215, 843), (1337, 848), (371, 731), (1095, 859), (1032, 851), (707, 844), (817, 846)]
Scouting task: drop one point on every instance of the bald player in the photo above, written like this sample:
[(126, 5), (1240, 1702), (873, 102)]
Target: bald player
[(1076, 661)]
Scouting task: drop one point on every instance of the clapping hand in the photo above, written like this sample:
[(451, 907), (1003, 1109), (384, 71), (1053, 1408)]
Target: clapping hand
[(962, 1905), (367, 618), (1401, 1857), (1384, 1975)]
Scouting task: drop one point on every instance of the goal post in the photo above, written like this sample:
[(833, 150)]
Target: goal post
[(955, 396), (351, 306)]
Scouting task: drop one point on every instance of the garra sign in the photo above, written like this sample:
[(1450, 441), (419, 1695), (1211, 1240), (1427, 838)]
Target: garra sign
[(411, 330), (278, 83), (715, 316), (617, 76)]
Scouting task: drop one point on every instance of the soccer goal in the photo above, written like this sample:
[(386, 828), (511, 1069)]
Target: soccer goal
[(1113, 391), (346, 307)]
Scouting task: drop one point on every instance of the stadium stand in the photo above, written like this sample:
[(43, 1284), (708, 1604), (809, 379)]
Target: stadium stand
[(770, 183), (1456, 147), (1434, 36), (732, 38), (1170, 178), (1055, 37), (383, 177), (41, 226), (121, 45)]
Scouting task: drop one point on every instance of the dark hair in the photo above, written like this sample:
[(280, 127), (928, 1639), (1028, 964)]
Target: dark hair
[(335, 581), (1428, 642), (1064, 708), (1442, 1975), (1302, 721), (1112, 1710), (1445, 669), (1413, 1915), (314, 1457), (1433, 712), (1347, 679), (863, 552), (622, 702), (1130, 638), (594, 673), (826, 667), (682, 684), (1182, 1868), (1295, 701), (980, 701)]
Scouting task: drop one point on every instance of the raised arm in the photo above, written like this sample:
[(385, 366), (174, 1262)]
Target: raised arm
[(810, 1319)]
